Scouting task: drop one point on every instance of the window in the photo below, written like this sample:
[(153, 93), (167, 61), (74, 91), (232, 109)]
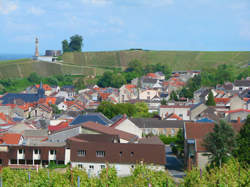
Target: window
[(21, 151), (52, 152), (181, 115), (132, 166), (100, 153), (148, 98), (103, 166), (81, 153), (132, 154), (91, 166), (120, 153), (37, 151), (79, 166)]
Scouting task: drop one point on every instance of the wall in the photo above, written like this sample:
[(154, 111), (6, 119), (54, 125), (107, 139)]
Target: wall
[(180, 111), (202, 160), (122, 169), (129, 127)]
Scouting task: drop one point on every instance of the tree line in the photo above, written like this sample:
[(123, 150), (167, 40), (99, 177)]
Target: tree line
[(135, 69)]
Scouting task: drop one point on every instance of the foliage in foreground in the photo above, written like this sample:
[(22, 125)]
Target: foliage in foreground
[(141, 176), (230, 174)]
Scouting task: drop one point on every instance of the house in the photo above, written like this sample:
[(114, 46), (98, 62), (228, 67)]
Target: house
[(90, 128), (237, 115), (94, 117), (128, 92), (241, 85), (236, 103), (156, 126), (160, 76), (148, 83), (67, 92), (43, 111), (183, 111), (147, 94), (194, 151), (12, 98), (93, 156), (122, 122), (196, 110), (86, 151)]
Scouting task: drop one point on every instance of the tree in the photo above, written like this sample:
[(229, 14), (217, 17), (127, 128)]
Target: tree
[(220, 143), (34, 78), (117, 80), (180, 142), (76, 43), (173, 96), (55, 109), (105, 80), (243, 141), (210, 100), (141, 109), (79, 84), (108, 109), (135, 66), (163, 102), (65, 46)]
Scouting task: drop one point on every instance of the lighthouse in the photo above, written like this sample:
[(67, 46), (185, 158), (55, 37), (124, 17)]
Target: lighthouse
[(35, 57)]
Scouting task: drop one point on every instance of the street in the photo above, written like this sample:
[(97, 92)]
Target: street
[(174, 166)]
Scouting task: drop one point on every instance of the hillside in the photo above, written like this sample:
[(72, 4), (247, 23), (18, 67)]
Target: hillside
[(89, 63), (178, 60), (23, 67)]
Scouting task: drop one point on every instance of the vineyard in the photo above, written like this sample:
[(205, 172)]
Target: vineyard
[(141, 177)]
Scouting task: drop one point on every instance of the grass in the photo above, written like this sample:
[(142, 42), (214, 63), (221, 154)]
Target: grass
[(178, 60), (90, 63)]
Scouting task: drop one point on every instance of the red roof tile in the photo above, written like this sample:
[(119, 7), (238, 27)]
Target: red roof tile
[(60, 126), (10, 139), (46, 87)]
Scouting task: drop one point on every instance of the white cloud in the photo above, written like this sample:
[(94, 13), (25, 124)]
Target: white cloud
[(7, 6), (97, 2), (36, 11)]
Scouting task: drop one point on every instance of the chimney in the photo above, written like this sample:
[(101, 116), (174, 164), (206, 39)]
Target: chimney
[(238, 120)]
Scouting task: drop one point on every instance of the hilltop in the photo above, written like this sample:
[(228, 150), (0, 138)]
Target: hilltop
[(89, 63)]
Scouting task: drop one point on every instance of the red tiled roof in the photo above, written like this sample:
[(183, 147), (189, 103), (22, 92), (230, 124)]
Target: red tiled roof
[(6, 118), (199, 130), (237, 110), (10, 138), (222, 100), (60, 126), (108, 130), (46, 87), (130, 86), (174, 116), (153, 75)]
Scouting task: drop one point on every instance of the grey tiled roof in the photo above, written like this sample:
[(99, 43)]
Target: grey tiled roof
[(156, 123), (94, 117)]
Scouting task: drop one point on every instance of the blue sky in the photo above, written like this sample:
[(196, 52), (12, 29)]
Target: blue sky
[(207, 25)]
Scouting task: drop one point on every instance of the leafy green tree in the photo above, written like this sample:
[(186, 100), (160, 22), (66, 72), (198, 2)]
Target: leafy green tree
[(65, 46), (163, 102), (220, 143), (79, 84), (108, 109), (141, 109), (52, 81), (210, 100), (105, 80), (135, 66), (243, 141), (76, 43), (173, 96), (117, 80), (34, 78)]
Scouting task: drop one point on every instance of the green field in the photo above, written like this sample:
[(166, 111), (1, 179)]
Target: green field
[(178, 60), (89, 63)]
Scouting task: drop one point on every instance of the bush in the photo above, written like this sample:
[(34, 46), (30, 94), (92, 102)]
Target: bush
[(167, 139), (230, 174)]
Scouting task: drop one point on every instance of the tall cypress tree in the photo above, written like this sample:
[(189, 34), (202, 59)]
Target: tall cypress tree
[(210, 100)]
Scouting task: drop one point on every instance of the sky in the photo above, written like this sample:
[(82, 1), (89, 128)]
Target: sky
[(203, 25)]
